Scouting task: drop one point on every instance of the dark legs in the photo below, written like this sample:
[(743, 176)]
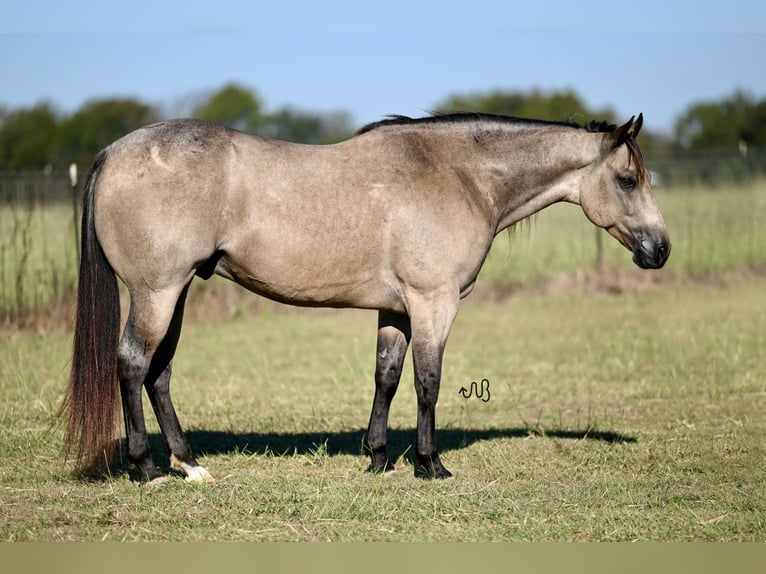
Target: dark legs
[(432, 318), (431, 322), (133, 368), (146, 353), (149, 342), (428, 363), (393, 339)]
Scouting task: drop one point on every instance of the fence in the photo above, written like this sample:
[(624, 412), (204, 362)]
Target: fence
[(38, 241), (709, 167)]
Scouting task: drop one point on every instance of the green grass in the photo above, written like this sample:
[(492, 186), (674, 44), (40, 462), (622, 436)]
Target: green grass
[(38, 257), (632, 417)]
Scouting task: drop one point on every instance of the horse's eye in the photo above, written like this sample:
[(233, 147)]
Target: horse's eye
[(627, 182)]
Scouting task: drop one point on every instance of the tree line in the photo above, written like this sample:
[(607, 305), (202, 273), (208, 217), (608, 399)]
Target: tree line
[(39, 136)]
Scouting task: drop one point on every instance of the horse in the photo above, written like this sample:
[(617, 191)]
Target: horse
[(398, 218)]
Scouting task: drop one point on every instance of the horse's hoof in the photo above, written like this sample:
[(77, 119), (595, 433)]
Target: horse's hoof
[(198, 474), (427, 475), (194, 473), (430, 467)]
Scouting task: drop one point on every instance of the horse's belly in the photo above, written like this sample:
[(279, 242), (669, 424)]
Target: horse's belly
[(314, 285)]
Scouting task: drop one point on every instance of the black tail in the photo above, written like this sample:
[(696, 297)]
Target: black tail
[(92, 399)]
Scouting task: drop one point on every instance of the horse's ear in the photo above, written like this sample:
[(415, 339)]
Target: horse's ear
[(626, 131), (637, 126)]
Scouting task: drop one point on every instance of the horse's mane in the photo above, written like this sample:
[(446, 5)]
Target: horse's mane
[(600, 127), (461, 117), (466, 117)]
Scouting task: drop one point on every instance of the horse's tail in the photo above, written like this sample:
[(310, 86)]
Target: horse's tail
[(92, 397)]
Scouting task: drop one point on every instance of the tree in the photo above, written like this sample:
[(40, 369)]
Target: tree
[(557, 105), (233, 106), (728, 123), (97, 124), (26, 138), (301, 127), (240, 108)]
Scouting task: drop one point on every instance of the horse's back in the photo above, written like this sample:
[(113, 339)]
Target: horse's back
[(339, 225)]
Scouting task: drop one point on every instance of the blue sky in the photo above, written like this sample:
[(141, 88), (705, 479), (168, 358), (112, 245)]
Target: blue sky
[(389, 57)]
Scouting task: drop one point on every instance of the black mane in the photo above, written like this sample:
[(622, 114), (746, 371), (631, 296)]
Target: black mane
[(600, 127), (463, 117), (460, 117)]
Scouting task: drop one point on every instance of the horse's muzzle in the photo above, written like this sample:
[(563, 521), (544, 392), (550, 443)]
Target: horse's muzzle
[(651, 252)]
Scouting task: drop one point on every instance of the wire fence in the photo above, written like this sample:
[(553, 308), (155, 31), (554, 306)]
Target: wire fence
[(39, 254), (709, 167)]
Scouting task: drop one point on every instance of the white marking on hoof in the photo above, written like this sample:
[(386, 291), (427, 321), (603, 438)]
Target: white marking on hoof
[(197, 474), (193, 473)]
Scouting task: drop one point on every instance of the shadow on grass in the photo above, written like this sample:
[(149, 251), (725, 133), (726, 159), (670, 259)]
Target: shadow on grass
[(350, 442), (400, 442)]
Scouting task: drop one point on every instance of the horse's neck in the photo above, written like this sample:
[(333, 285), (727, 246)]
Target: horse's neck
[(529, 169)]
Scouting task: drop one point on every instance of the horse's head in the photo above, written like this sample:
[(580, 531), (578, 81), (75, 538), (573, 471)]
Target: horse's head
[(617, 195)]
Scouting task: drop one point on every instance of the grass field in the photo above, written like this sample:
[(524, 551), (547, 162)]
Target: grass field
[(38, 258), (633, 417)]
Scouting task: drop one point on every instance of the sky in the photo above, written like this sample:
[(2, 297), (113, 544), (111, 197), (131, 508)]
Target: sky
[(386, 57)]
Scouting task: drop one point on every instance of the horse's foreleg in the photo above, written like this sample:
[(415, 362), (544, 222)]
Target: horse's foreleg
[(431, 324), (393, 340)]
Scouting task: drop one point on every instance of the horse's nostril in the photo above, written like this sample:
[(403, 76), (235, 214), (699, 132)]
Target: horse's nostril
[(664, 250)]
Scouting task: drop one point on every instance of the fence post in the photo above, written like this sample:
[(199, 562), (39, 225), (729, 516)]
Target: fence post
[(73, 184), (599, 247)]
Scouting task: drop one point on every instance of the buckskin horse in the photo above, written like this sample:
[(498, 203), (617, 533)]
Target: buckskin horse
[(399, 218)]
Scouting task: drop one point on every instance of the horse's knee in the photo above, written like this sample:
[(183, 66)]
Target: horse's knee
[(387, 374), (427, 388), (388, 368)]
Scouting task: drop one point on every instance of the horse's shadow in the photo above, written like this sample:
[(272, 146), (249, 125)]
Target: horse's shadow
[(400, 441)]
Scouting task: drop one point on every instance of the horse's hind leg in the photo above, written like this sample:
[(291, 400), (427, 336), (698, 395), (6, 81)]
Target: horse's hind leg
[(158, 390), (145, 357), (393, 340)]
